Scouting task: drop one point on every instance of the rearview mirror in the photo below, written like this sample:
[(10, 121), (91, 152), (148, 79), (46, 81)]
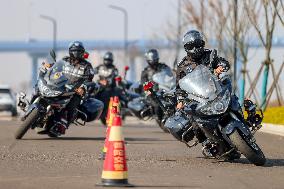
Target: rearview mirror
[(22, 94), (53, 55)]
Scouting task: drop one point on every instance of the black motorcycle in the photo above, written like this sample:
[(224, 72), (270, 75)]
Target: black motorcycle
[(160, 103), (117, 86), (209, 107), (55, 92)]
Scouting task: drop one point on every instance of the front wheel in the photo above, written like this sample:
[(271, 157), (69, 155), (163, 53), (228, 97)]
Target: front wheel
[(14, 112), (162, 126), (103, 120), (29, 121), (248, 148)]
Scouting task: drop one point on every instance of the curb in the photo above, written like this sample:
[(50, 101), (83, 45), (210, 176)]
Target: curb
[(272, 129)]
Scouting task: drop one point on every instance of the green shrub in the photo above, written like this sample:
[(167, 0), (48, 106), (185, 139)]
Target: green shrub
[(274, 115)]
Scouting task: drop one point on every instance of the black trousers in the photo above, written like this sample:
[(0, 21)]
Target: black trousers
[(71, 107)]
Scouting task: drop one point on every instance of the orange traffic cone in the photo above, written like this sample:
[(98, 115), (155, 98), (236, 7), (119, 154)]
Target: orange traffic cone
[(116, 103), (104, 150), (115, 166), (109, 110)]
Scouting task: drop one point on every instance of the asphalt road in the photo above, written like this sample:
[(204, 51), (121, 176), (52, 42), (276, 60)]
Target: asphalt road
[(155, 160)]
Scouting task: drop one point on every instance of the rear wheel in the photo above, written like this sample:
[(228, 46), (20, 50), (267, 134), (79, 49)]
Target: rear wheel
[(28, 122), (248, 148)]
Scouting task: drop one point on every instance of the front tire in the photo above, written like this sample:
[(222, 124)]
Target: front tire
[(103, 120), (253, 154), (28, 122), (162, 126), (14, 112)]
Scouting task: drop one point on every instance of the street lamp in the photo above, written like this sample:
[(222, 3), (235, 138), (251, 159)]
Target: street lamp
[(122, 10), (54, 28), (235, 43), (178, 33)]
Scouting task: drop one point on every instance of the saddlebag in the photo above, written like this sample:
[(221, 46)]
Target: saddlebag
[(179, 124)]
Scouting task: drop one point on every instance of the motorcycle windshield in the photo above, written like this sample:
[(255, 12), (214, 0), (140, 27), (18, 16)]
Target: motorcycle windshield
[(165, 79), (201, 85), (55, 77)]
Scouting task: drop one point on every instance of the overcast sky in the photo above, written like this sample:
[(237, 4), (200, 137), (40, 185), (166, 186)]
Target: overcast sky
[(83, 19)]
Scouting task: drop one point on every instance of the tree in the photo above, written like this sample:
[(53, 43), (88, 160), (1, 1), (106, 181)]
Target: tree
[(216, 21), (279, 8), (210, 17), (242, 31), (253, 9)]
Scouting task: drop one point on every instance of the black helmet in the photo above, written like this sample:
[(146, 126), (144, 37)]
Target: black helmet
[(108, 58), (193, 43), (76, 49), (152, 56)]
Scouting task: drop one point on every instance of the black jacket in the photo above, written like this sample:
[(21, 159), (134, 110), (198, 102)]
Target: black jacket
[(149, 71), (82, 72), (108, 72), (209, 58)]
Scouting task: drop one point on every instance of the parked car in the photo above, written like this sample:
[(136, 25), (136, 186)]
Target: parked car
[(7, 100)]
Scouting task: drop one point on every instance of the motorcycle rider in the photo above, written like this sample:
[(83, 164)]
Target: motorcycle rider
[(154, 66), (107, 71), (78, 71), (194, 43)]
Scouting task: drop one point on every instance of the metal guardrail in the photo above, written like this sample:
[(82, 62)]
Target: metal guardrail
[(35, 46)]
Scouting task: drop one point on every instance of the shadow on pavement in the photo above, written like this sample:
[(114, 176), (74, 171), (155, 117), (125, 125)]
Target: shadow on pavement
[(144, 139), (274, 162), (165, 186), (68, 138), (95, 138), (269, 162)]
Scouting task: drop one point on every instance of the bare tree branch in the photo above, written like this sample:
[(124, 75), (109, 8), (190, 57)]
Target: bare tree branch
[(253, 15), (274, 2)]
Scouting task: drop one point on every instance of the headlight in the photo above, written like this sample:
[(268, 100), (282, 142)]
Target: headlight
[(218, 106), (46, 91)]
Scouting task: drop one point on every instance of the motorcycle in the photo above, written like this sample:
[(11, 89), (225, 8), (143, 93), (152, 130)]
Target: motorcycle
[(209, 107), (161, 101), (121, 89), (55, 92)]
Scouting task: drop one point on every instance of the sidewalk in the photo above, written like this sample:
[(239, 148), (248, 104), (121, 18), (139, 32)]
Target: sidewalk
[(273, 129)]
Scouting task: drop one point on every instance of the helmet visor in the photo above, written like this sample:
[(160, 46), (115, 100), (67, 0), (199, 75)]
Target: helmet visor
[(196, 44)]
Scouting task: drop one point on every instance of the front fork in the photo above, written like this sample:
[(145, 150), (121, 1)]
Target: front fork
[(240, 126), (218, 144), (36, 105)]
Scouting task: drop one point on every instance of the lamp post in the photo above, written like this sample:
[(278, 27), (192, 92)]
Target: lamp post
[(235, 43), (54, 23), (124, 12), (178, 33)]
